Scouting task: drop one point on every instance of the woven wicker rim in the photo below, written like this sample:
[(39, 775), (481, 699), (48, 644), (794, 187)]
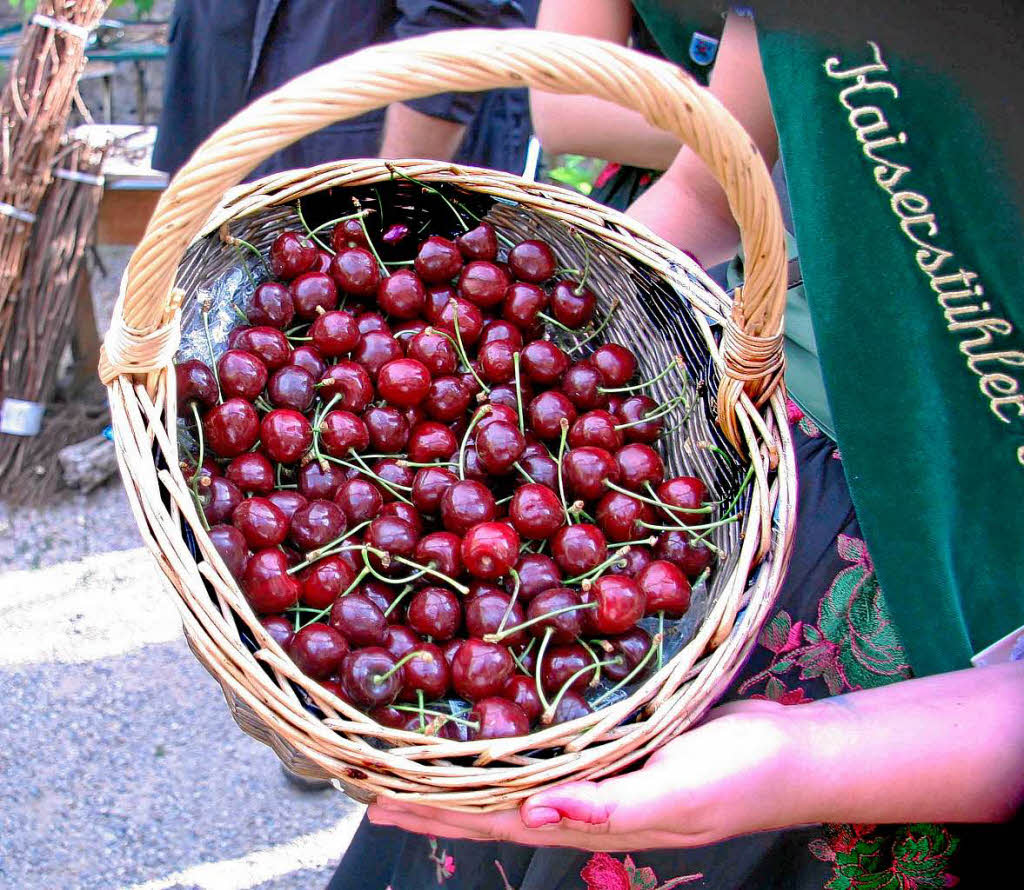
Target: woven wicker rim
[(144, 336)]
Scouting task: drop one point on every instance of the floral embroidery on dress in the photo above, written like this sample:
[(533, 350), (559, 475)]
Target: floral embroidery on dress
[(604, 872), (795, 414), (444, 863)]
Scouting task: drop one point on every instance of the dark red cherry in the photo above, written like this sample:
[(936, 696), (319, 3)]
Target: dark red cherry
[(395, 234), (536, 511), (219, 499), (687, 492), (480, 243), (438, 260), (522, 304), (483, 283), (341, 432), (318, 650), (572, 303), (438, 296), (355, 271), (322, 263), (633, 645), (359, 620), (316, 524), (334, 334), (431, 441), (480, 669), (267, 585), (465, 504), (636, 559), (230, 543), (348, 233), (271, 305), (616, 364), (427, 672), (435, 352), (484, 614), (395, 473), (371, 321), (375, 349), (585, 471), (620, 604), (497, 329), (532, 261), (291, 387), (564, 663), (473, 468), (406, 331), (639, 464), (428, 487), (620, 516), (404, 511), (231, 428), (541, 469), (499, 445), (402, 294), (581, 384), (498, 718), (566, 625), (537, 573), (498, 414), (382, 596), (572, 706), (522, 690), (666, 589), (251, 472), (351, 381), (691, 555), (309, 359), (448, 399), (279, 628), (242, 375), (262, 524), (435, 612), (404, 382), (311, 292), (291, 254), (326, 580), (441, 551), (470, 319), (286, 435), (400, 640), (196, 384), (393, 535), (543, 362), (632, 413), (547, 411), (450, 648), (579, 548), (497, 364), (387, 428), (360, 500), (596, 428), (268, 344), (369, 677), (489, 550), (287, 501)]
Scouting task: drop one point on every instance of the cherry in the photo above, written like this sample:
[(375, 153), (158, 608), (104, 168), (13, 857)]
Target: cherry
[(543, 362), (404, 511), (395, 234), (572, 303), (375, 349), (360, 500), (435, 612), (465, 504), (292, 387), (498, 718), (686, 492), (322, 263), (271, 305), (428, 487), (666, 589), (382, 596), (434, 351), (267, 585), (334, 333), (438, 260), (620, 604), (596, 428), (541, 469), (485, 612), (633, 646), (348, 233), (499, 445), (522, 690), (497, 329), (565, 626), (196, 385), (387, 428), (581, 384), (394, 473), (546, 412), (480, 669), (355, 271), (309, 359), (407, 330), (286, 435), (404, 382), (496, 361), (638, 464), (392, 535), (231, 428), (427, 672), (532, 261), (523, 303), (616, 364), (691, 555), (450, 648), (438, 296), (483, 283), (572, 706), (371, 321), (219, 499), (579, 548), (536, 511), (262, 524), (537, 573), (636, 559), (279, 628), (621, 516), (268, 344), (315, 524), (369, 677), (318, 650), (632, 414), (448, 399), (480, 243), (490, 549), (251, 472), (586, 469), (498, 414), (471, 320), (291, 254), (358, 618), (442, 551), (400, 640), (313, 292), (564, 662), (242, 375), (326, 580), (230, 543), (431, 441), (473, 468), (351, 382), (341, 432), (402, 294)]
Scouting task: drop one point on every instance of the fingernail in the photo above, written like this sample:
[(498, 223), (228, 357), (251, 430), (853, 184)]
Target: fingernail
[(536, 817)]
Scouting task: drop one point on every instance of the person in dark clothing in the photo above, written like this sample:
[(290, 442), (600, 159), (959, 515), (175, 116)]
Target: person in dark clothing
[(224, 55)]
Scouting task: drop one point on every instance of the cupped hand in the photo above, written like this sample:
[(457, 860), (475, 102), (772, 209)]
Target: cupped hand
[(726, 777)]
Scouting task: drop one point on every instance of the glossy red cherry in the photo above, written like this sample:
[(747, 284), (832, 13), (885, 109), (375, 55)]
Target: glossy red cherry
[(375, 349), (279, 628), (231, 428), (687, 492), (566, 625), (499, 445), (564, 663), (230, 543), (579, 548), (318, 650), (387, 428), (351, 381), (536, 511), (480, 670), (242, 375), (497, 364), (620, 604), (407, 330), (438, 260), (489, 550), (267, 585), (322, 263), (547, 411), (428, 487), (480, 243), (691, 555), (311, 292), (431, 441), (498, 414), (435, 612), (632, 413), (572, 303), (334, 334), (448, 399), (632, 646), (392, 535), (541, 469), (581, 384), (316, 524), (269, 344), (465, 504), (371, 321), (620, 516), (596, 428), (522, 690), (271, 305), (360, 500), (498, 329), (522, 304), (291, 254), (196, 384), (572, 706), (355, 271), (616, 364), (341, 432), (309, 359), (403, 382), (435, 352), (262, 524), (326, 580), (532, 260), (427, 672), (543, 362), (438, 296), (400, 640), (639, 464), (395, 473), (485, 612), (483, 283), (219, 499), (537, 573), (666, 589), (498, 718), (471, 320), (636, 559), (251, 472), (348, 233), (402, 294), (369, 677), (357, 618), (287, 501), (441, 551), (585, 471), (286, 435)]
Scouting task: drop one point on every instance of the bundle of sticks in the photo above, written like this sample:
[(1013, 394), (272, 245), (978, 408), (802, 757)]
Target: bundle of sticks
[(42, 324), (34, 108)]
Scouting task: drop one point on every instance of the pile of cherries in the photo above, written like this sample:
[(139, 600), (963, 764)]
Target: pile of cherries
[(444, 517)]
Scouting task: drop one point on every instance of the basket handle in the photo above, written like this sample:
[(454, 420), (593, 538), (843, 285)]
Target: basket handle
[(143, 335)]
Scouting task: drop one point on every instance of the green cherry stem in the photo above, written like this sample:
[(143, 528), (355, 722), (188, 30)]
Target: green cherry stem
[(427, 188), (549, 711), (661, 637), (509, 631), (204, 311), (564, 424), (401, 596), (654, 500), (309, 231), (384, 579), (415, 709), (426, 570), (481, 412), (519, 392), (401, 663), (685, 528), (593, 657), (511, 600), (461, 347), (656, 642), (676, 363), (525, 652), (617, 558), (655, 413), (540, 667), (598, 329), (328, 549), (323, 613)]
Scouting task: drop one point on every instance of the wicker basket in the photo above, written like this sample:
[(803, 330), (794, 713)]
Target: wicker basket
[(668, 305)]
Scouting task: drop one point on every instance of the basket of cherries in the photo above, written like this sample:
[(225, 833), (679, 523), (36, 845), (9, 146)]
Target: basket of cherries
[(437, 472)]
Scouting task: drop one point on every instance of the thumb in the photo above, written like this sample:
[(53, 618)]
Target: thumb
[(587, 802)]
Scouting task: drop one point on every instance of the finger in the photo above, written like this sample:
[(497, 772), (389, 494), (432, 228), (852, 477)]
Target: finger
[(585, 802), (502, 825)]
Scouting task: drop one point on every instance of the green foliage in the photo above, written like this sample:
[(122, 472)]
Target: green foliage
[(575, 171)]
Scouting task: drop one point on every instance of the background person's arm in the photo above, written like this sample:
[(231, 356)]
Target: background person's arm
[(409, 133)]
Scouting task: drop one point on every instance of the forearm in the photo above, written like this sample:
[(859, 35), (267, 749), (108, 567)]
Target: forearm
[(410, 134), (948, 748)]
